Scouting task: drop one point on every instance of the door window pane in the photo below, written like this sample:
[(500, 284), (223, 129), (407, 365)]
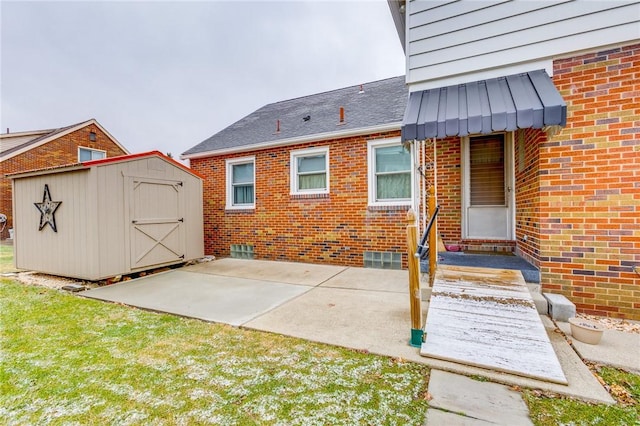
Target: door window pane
[(486, 171)]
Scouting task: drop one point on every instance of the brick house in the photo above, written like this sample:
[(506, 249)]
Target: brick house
[(530, 113), (38, 149), (320, 179)]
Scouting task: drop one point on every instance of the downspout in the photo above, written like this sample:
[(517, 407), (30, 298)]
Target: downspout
[(423, 151), (435, 182), (435, 170)]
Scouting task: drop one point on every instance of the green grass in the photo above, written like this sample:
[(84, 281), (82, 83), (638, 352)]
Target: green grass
[(70, 360), (624, 386), (6, 258)]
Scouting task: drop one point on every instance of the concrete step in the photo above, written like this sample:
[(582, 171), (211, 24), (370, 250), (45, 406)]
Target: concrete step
[(538, 299), (560, 308)]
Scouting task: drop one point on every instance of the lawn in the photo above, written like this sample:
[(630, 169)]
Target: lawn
[(70, 360), (553, 411), (6, 258)]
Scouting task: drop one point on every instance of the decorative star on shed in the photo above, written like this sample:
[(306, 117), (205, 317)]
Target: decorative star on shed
[(47, 210)]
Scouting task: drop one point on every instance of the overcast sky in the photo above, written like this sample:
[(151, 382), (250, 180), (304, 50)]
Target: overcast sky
[(167, 75)]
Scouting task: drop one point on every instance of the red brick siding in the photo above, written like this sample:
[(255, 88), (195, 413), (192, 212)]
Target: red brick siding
[(590, 185), (449, 189), (61, 151), (335, 229), (526, 164)]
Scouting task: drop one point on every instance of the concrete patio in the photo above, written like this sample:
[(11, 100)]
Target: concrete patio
[(363, 309)]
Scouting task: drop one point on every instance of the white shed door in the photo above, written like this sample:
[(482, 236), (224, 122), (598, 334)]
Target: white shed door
[(156, 222)]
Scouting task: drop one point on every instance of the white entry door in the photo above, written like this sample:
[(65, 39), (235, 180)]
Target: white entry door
[(156, 222), (487, 192)]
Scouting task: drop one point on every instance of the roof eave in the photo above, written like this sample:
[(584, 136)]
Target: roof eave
[(397, 9), (27, 146), (47, 171), (297, 140)]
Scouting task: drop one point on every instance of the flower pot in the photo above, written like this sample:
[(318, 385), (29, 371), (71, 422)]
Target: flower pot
[(586, 331)]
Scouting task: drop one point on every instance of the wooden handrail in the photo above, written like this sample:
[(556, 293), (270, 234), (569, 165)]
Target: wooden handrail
[(415, 297)]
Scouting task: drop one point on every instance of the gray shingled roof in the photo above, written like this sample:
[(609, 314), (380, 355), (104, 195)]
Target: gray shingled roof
[(382, 102)]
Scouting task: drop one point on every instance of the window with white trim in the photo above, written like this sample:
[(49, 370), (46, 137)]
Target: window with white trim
[(390, 181), (241, 185), (310, 171), (88, 154)]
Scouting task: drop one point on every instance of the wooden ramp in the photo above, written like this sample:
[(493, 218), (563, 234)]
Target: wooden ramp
[(486, 318)]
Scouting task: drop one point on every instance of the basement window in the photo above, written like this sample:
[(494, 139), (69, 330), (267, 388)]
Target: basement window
[(242, 251), (382, 260)]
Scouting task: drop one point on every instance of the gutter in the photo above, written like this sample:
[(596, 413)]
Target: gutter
[(297, 140)]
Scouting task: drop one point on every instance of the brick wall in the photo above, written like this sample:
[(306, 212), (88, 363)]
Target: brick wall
[(449, 190), (334, 229), (590, 185), (61, 151), (526, 165)]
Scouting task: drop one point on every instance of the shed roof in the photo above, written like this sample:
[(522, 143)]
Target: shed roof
[(109, 160), (12, 144), (130, 157), (367, 106)]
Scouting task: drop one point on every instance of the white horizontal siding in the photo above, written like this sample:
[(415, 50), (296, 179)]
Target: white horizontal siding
[(459, 40), (480, 20)]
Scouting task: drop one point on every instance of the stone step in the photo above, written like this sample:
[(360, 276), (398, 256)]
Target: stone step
[(560, 308), (460, 400)]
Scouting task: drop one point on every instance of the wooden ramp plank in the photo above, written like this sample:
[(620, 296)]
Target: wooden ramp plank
[(487, 318)]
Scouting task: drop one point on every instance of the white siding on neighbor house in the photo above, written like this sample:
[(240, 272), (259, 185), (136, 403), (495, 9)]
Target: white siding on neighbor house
[(452, 42)]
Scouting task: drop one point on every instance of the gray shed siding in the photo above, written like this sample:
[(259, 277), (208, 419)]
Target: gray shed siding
[(55, 252), (113, 214), (462, 41), (94, 237)]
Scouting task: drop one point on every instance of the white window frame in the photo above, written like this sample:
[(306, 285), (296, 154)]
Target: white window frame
[(229, 183), (371, 173), (92, 150), (294, 169)]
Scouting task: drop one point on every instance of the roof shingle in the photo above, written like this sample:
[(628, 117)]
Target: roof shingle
[(378, 103)]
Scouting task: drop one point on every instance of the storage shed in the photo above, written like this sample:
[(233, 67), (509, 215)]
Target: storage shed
[(109, 217)]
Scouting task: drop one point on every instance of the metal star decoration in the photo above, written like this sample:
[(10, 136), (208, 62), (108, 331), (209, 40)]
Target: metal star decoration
[(47, 210)]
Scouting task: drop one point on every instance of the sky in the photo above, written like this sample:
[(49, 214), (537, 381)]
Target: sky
[(165, 76)]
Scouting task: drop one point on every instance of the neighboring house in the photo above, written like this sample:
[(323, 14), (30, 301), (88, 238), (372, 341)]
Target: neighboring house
[(23, 151), (321, 179), (530, 111)]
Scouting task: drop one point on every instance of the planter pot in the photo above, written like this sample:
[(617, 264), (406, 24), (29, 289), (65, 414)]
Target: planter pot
[(586, 331)]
